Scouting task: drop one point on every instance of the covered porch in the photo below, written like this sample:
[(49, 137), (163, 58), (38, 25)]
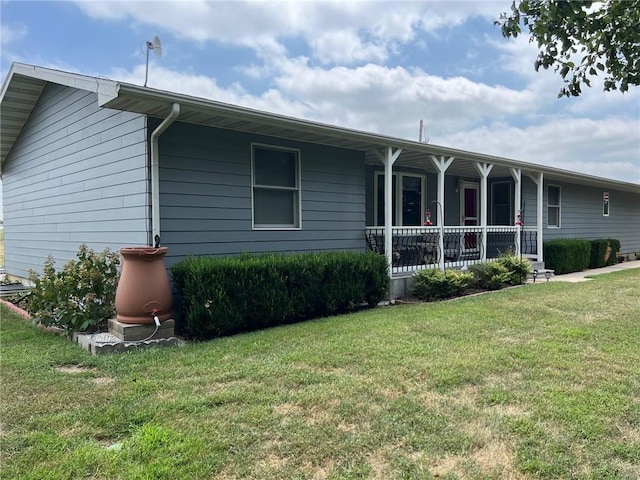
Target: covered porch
[(449, 212)]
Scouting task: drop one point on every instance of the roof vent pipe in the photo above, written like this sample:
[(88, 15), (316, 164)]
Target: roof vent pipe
[(155, 171)]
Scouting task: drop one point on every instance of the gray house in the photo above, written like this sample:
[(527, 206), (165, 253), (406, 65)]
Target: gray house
[(110, 164)]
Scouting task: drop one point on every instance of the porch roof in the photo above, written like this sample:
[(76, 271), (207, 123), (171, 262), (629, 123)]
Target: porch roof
[(25, 83)]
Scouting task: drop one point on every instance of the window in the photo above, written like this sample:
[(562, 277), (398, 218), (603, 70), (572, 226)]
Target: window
[(501, 205), (605, 204), (553, 206), (408, 202), (275, 176)]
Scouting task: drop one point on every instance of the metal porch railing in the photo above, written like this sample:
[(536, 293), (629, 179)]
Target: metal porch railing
[(415, 248)]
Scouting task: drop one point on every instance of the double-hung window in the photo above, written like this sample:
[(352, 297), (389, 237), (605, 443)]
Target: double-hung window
[(275, 178), (553, 206)]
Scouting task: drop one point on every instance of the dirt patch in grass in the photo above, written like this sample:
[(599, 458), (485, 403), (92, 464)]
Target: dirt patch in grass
[(494, 460), (73, 369), (80, 369), (287, 409), (103, 380)]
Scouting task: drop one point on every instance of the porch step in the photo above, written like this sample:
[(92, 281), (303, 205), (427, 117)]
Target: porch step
[(535, 265)]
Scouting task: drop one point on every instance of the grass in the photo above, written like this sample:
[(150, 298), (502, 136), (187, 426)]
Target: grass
[(537, 382), (1, 248)]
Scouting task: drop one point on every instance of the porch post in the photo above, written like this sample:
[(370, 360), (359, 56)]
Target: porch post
[(539, 181), (388, 159), (483, 169), (516, 173), (441, 163)]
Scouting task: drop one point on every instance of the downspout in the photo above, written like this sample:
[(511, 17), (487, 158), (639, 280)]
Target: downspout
[(155, 172)]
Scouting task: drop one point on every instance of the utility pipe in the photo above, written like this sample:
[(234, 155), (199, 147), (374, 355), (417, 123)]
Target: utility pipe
[(155, 172)]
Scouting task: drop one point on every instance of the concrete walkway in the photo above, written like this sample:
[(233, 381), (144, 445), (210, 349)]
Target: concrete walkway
[(581, 276)]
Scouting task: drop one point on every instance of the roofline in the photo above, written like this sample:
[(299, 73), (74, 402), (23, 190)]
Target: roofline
[(104, 87), (110, 91), (381, 140)]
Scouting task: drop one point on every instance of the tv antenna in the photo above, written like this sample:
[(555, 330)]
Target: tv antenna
[(156, 46), (422, 135)]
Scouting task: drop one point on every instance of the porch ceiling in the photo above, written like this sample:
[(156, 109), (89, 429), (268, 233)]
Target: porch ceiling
[(461, 166)]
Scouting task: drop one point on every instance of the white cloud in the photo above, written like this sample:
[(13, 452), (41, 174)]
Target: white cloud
[(345, 47), (12, 33), (266, 25), (608, 148), (341, 78)]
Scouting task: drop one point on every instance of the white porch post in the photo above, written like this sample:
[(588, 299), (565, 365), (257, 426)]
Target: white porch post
[(441, 163), (388, 159), (483, 169), (516, 173), (539, 181)]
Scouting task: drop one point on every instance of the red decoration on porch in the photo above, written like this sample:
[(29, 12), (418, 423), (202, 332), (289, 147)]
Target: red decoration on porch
[(519, 221), (427, 222)]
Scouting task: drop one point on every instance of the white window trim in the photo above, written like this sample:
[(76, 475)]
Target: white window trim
[(608, 204), (297, 188), (493, 200), (397, 178), (559, 206)]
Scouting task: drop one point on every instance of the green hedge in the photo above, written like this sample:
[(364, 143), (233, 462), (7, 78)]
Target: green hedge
[(604, 252), (225, 295), (567, 255), (615, 250)]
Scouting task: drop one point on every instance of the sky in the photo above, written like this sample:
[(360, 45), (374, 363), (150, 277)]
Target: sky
[(375, 66)]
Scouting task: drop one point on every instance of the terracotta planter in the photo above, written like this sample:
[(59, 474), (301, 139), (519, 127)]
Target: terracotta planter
[(143, 287)]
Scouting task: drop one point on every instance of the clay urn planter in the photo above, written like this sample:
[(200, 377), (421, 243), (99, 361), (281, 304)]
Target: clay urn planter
[(143, 289)]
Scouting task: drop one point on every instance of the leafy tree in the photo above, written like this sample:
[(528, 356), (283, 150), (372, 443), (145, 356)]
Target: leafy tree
[(606, 35)]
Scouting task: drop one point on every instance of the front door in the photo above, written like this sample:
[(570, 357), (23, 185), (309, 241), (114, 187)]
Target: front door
[(469, 213)]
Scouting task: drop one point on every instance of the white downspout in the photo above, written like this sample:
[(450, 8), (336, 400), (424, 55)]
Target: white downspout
[(155, 171)]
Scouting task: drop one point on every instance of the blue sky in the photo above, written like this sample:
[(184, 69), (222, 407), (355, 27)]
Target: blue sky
[(376, 66)]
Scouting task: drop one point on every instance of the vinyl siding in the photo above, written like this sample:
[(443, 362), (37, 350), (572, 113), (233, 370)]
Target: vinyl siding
[(581, 215), (205, 196), (77, 174)]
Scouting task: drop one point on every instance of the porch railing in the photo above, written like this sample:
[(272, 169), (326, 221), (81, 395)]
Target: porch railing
[(417, 248)]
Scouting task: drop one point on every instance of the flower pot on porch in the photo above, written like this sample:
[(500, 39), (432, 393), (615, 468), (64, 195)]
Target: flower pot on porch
[(143, 289)]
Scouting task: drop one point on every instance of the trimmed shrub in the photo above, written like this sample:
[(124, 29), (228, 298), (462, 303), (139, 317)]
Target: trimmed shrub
[(81, 296), (567, 255), (615, 251), (435, 284), (226, 295), (601, 253)]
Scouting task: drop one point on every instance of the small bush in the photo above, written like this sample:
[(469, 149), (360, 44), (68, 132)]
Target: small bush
[(518, 267), (615, 251), (491, 275), (81, 296), (601, 253), (509, 269), (434, 284), (226, 295), (567, 255)]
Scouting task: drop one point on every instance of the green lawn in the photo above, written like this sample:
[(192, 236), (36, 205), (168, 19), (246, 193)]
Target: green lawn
[(535, 382)]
